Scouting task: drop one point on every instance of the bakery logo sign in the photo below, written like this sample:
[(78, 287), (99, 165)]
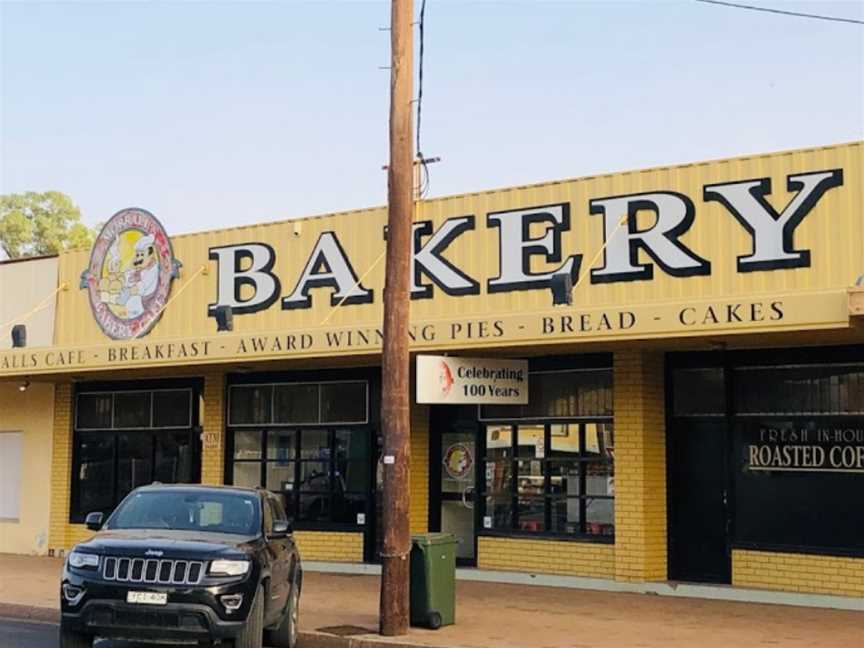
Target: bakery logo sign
[(129, 276)]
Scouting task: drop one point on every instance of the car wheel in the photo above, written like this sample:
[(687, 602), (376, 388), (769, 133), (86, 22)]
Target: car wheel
[(285, 634), (71, 639), (252, 634)]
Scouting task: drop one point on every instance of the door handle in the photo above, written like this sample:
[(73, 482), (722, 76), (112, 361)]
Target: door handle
[(465, 502)]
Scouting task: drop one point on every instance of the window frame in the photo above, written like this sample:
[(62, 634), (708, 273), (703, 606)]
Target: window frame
[(113, 393), (191, 431), (273, 385), (295, 460), (547, 497), (557, 419), (732, 362)]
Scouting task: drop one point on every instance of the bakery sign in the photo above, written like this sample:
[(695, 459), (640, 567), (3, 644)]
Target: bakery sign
[(129, 276), (484, 381)]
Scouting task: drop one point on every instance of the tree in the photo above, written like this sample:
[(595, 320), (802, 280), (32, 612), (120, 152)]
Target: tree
[(32, 224)]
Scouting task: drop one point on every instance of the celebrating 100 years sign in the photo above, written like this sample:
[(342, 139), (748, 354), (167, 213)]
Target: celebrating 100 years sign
[(454, 380)]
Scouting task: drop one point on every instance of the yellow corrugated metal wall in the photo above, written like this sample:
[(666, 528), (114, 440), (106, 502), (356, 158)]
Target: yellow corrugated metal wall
[(834, 230)]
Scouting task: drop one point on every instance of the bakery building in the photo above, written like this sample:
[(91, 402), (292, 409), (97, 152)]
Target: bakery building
[(644, 377)]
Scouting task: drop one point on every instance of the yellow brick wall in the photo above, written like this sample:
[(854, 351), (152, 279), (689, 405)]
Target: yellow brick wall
[(640, 466), (419, 475), (213, 424), (546, 556), (798, 572), (330, 546), (61, 468)]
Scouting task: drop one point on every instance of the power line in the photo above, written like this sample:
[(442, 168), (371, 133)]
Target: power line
[(420, 78), (782, 11), (424, 186)]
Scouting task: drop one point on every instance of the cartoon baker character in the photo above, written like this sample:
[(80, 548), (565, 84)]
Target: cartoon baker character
[(142, 279)]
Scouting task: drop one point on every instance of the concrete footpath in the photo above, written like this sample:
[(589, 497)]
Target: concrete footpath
[(340, 611)]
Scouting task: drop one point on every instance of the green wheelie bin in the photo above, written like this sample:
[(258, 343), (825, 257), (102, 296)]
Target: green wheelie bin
[(433, 580)]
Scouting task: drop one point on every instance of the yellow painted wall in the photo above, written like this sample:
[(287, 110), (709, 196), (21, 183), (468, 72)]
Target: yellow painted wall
[(833, 230), (419, 471), (546, 556), (24, 287), (330, 546), (803, 573), (30, 412), (213, 417), (60, 536), (640, 467)]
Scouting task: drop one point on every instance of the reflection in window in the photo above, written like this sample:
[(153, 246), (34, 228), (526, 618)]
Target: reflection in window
[(299, 403), (143, 435), (800, 390), (134, 461), (250, 404), (699, 392), (296, 403), (95, 472), (94, 411), (568, 490), (560, 394), (321, 474)]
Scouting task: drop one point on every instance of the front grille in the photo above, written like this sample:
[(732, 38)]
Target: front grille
[(152, 571)]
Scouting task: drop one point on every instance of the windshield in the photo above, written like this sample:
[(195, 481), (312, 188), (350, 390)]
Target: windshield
[(214, 512)]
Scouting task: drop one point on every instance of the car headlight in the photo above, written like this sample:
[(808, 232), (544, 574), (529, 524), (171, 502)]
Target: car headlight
[(81, 560), (229, 567)]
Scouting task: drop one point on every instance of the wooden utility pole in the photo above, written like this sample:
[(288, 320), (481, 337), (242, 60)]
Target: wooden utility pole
[(395, 397)]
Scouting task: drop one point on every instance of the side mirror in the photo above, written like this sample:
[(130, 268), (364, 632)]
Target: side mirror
[(94, 521), (281, 529)]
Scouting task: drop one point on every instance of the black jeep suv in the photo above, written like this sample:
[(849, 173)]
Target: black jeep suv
[(180, 563)]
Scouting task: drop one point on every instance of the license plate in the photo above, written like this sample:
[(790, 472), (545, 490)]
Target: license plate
[(147, 598)]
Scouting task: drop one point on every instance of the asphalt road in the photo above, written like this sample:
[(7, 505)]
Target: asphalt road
[(18, 634)]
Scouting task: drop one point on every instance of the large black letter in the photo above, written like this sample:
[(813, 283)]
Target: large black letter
[(328, 266), (674, 214), (516, 247), (773, 234), (427, 260), (231, 278)]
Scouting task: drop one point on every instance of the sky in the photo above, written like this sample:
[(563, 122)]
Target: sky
[(215, 114)]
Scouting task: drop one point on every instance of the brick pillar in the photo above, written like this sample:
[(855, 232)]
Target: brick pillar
[(213, 441), (640, 467), (61, 468), (419, 474)]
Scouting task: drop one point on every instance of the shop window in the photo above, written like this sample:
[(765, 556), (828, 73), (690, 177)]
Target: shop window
[(583, 393), (699, 392), (328, 403), (322, 474), (250, 404), (800, 390), (94, 411), (550, 478), (139, 410), (126, 439)]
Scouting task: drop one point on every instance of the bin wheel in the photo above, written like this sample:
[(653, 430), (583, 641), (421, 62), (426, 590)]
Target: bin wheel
[(434, 620)]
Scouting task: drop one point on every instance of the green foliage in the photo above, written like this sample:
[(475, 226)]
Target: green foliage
[(32, 224)]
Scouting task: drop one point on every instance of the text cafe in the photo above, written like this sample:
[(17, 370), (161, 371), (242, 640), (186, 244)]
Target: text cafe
[(644, 377)]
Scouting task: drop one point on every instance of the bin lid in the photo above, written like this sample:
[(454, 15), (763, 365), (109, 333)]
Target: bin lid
[(428, 539)]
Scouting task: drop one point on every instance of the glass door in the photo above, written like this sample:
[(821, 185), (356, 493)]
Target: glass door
[(457, 466)]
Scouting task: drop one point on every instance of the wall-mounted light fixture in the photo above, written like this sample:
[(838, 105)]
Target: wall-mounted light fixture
[(19, 336), (224, 318), (23, 386), (562, 289)]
